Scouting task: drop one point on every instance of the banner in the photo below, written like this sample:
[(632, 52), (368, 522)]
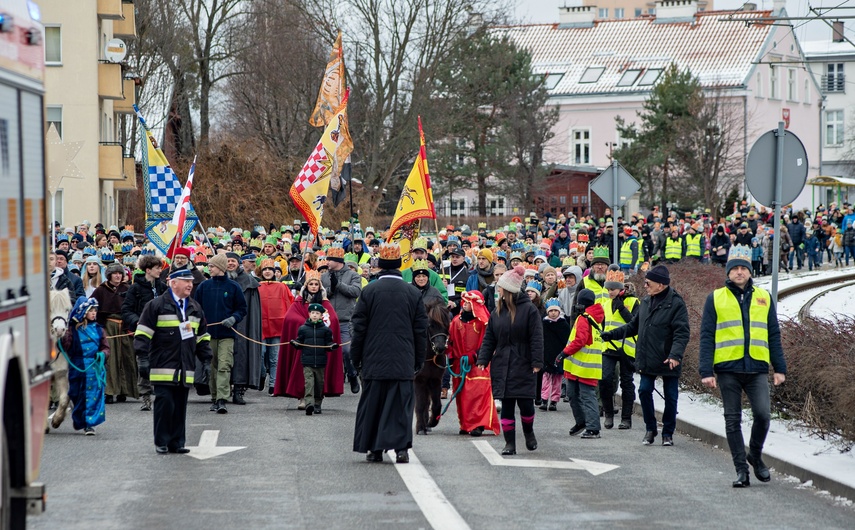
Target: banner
[(180, 215), (162, 192)]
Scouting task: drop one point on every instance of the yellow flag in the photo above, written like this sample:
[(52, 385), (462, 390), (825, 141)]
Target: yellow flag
[(332, 87), (416, 203), (309, 191)]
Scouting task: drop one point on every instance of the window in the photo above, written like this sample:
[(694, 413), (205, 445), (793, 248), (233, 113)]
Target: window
[(53, 45), (584, 199), (651, 10), (792, 89), (622, 143), (54, 116), (581, 153), (592, 74), (603, 12), (562, 199), (575, 199), (807, 90), (496, 206), (637, 12), (759, 85), (5, 158), (650, 77), (628, 77), (834, 127), (834, 80), (773, 83), (57, 210), (458, 206), (618, 12), (552, 80)]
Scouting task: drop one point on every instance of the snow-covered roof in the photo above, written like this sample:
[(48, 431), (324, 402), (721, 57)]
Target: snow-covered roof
[(720, 53), (817, 49)]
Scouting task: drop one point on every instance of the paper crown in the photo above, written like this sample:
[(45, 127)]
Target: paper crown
[(501, 254), (568, 261), (421, 265), (129, 260), (313, 275), (389, 251), (322, 263), (482, 225), (582, 237), (107, 256), (518, 245), (350, 257), (534, 286), (420, 243), (740, 252), (336, 251), (614, 280), (90, 251), (117, 249), (271, 240), (256, 243), (553, 302), (126, 234), (268, 263), (356, 235), (516, 255), (127, 248), (601, 252), (61, 237)]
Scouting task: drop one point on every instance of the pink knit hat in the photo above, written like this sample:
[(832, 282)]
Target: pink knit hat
[(512, 280)]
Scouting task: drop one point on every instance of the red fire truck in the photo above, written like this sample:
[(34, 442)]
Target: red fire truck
[(25, 347)]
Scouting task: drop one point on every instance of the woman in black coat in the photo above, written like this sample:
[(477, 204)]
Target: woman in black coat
[(719, 246), (513, 347)]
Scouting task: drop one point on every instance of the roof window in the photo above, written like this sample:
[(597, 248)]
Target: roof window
[(592, 74), (551, 80), (650, 76), (628, 78)]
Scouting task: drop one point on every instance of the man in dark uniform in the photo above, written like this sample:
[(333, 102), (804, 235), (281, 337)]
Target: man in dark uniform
[(455, 276), (172, 332)]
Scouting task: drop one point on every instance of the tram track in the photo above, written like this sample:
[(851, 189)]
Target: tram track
[(835, 283)]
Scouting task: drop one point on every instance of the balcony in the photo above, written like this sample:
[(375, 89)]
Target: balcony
[(110, 9), (130, 175), (110, 163), (126, 27), (834, 83), (110, 81), (126, 106)]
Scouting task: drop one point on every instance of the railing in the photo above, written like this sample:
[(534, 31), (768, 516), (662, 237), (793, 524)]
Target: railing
[(834, 83)]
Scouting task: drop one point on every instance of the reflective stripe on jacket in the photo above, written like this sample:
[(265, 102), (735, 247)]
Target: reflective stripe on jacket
[(614, 321), (729, 329), (587, 363)]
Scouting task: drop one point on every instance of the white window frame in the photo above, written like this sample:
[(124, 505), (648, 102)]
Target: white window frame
[(835, 127), (759, 93), (773, 83), (48, 121), (627, 78), (550, 81), (57, 27), (649, 77), (583, 142), (59, 206), (603, 12), (619, 13), (588, 74), (792, 85), (457, 206)]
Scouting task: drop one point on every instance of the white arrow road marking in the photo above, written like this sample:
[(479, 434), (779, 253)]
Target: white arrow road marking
[(207, 447), (495, 459), (430, 499)]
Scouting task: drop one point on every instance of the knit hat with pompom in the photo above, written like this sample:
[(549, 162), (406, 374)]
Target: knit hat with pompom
[(512, 280)]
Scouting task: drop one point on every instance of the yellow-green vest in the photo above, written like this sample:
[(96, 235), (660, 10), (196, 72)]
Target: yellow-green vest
[(601, 294), (674, 248), (626, 253), (729, 332), (614, 321), (587, 363), (693, 246)]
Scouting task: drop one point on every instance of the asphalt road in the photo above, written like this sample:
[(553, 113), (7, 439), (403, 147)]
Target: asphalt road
[(299, 472)]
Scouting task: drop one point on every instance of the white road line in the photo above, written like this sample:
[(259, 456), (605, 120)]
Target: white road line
[(436, 508), (209, 438), (495, 459)]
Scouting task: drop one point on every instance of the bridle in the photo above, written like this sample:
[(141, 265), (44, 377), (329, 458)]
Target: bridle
[(437, 354)]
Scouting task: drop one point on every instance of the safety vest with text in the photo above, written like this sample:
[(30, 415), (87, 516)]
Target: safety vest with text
[(674, 248), (693, 246), (587, 363), (626, 253), (729, 330)]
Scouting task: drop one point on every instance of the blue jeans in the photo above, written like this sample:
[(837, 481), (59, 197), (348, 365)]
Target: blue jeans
[(645, 394), (756, 388), (850, 251), (269, 360), (799, 254), (349, 370)]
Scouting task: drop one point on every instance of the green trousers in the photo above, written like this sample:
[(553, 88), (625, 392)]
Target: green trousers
[(221, 368), (314, 378)]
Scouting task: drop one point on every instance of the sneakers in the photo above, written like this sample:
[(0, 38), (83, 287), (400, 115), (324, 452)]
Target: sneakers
[(544, 405), (89, 431), (577, 429), (270, 391), (498, 403), (589, 434), (667, 441), (649, 436), (146, 402), (301, 405), (108, 399), (477, 431), (121, 398), (318, 408), (214, 406)]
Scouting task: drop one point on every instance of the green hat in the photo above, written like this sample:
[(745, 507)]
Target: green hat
[(246, 234), (284, 227), (350, 258), (317, 307), (601, 255), (271, 240), (420, 243)]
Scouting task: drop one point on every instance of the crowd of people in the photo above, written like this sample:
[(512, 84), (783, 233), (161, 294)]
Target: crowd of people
[(541, 311)]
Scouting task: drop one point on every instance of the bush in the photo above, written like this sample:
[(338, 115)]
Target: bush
[(820, 355)]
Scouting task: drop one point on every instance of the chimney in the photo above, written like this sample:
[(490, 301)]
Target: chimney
[(576, 16), (837, 31), (749, 6), (676, 10)]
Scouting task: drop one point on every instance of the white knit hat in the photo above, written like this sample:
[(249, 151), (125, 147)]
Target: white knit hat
[(512, 280)]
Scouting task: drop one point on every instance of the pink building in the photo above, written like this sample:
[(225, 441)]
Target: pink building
[(597, 70)]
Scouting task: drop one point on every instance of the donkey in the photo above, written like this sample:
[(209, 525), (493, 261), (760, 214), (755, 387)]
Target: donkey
[(428, 381), (60, 307)]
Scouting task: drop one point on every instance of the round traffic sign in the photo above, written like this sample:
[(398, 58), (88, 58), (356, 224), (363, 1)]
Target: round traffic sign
[(760, 169)]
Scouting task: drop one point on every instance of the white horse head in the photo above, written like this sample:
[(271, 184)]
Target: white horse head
[(60, 307)]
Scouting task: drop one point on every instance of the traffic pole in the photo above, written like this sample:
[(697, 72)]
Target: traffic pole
[(614, 210), (779, 184)]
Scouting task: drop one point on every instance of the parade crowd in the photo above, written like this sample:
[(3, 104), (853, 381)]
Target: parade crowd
[(518, 318)]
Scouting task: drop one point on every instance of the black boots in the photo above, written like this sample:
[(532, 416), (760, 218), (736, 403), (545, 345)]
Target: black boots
[(609, 421), (742, 480), (625, 424), (221, 406), (374, 456), (510, 443), (649, 436), (576, 429), (237, 396), (402, 456), (760, 469), (530, 441), (354, 384), (215, 406)]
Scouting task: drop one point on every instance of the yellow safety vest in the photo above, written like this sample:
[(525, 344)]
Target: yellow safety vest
[(729, 331), (626, 253), (673, 248), (693, 246), (601, 294), (614, 321), (586, 363)]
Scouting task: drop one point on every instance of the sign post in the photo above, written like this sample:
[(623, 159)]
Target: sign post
[(615, 186)]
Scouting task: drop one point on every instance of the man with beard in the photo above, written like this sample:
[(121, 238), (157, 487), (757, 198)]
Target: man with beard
[(247, 354), (181, 260), (595, 281), (389, 332)]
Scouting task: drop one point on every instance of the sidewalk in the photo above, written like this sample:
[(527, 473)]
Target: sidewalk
[(789, 449)]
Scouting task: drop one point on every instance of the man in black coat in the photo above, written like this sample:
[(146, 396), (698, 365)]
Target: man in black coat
[(388, 348), (662, 326)]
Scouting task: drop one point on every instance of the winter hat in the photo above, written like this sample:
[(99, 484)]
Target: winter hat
[(114, 267), (486, 253), (574, 270), (511, 281), (585, 298), (317, 307), (535, 286), (219, 261), (81, 307), (659, 274), (614, 280), (546, 270), (182, 251), (740, 255)]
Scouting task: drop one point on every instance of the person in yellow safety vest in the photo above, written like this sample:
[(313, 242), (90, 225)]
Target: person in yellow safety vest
[(695, 243), (675, 247), (740, 338), (620, 309), (595, 279), (582, 360), (629, 251)]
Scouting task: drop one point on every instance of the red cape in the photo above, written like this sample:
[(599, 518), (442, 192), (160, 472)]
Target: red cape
[(289, 371), (475, 405)]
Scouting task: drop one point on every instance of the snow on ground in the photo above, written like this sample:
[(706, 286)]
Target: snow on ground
[(789, 307), (834, 304)]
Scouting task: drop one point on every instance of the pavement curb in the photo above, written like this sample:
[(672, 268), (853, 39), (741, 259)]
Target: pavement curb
[(780, 466)]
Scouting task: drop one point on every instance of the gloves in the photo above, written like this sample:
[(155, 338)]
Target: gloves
[(617, 303), (607, 336), (293, 343), (144, 366), (228, 322), (333, 283), (333, 346), (559, 360)]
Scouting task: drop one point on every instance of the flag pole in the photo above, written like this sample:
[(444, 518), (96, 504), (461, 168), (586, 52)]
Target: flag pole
[(309, 241)]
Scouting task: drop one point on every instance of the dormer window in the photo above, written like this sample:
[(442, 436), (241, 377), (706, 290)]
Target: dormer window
[(592, 74)]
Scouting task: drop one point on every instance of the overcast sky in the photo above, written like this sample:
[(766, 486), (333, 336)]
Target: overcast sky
[(538, 11)]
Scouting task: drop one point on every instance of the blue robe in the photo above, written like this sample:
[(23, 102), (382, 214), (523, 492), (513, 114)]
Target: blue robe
[(86, 388)]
